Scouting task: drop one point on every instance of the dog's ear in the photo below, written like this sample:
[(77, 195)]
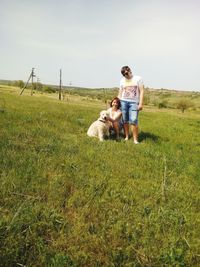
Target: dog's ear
[(101, 113)]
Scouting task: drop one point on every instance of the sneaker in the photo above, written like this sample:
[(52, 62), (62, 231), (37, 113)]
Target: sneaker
[(126, 139), (136, 142)]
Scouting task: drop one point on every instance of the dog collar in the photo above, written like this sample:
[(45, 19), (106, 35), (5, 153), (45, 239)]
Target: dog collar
[(102, 121)]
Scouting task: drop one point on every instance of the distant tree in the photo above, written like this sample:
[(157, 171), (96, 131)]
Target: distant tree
[(184, 104), (39, 86), (49, 89), (34, 86), (162, 104), (19, 83), (146, 99)]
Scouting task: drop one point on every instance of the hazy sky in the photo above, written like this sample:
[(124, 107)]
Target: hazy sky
[(91, 40)]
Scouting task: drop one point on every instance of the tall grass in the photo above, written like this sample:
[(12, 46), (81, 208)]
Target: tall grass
[(68, 200)]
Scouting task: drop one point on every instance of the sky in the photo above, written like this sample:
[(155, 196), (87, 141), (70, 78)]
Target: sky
[(91, 40)]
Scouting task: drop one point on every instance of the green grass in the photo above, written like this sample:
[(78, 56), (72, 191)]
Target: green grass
[(70, 200)]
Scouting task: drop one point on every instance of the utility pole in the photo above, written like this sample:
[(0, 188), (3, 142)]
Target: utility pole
[(60, 86), (30, 77), (32, 80)]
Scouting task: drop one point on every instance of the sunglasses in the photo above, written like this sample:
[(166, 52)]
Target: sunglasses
[(127, 72)]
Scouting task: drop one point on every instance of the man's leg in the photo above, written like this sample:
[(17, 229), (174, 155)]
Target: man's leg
[(133, 115), (126, 130), (135, 132), (125, 117)]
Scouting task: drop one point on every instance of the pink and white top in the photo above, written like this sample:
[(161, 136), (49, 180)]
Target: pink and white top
[(129, 89)]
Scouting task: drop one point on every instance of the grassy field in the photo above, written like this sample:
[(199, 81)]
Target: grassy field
[(68, 200)]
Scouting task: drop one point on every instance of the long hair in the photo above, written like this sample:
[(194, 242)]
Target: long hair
[(118, 102)]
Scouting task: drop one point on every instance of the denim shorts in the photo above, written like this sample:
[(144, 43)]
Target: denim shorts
[(129, 112)]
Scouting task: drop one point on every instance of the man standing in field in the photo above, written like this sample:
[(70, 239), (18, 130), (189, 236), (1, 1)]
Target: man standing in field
[(131, 94)]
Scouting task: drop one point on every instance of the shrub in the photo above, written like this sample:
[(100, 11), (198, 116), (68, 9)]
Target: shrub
[(19, 84), (184, 104), (48, 89), (146, 99), (162, 104)]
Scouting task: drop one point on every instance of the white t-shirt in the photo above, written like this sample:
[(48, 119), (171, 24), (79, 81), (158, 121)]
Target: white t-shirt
[(129, 88), (114, 113)]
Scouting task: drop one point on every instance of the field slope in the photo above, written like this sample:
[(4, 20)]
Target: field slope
[(68, 200)]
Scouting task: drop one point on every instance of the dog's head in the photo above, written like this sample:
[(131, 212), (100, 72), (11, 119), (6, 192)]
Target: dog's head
[(104, 115)]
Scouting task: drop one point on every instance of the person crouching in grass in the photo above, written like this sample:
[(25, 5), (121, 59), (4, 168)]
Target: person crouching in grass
[(115, 115)]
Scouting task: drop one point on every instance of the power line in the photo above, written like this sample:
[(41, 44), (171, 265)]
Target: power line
[(32, 75)]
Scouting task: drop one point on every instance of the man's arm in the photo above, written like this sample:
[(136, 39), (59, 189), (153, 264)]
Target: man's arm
[(141, 89)]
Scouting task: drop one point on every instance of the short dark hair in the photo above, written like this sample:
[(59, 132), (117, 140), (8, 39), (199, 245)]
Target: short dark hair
[(124, 69), (118, 102)]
